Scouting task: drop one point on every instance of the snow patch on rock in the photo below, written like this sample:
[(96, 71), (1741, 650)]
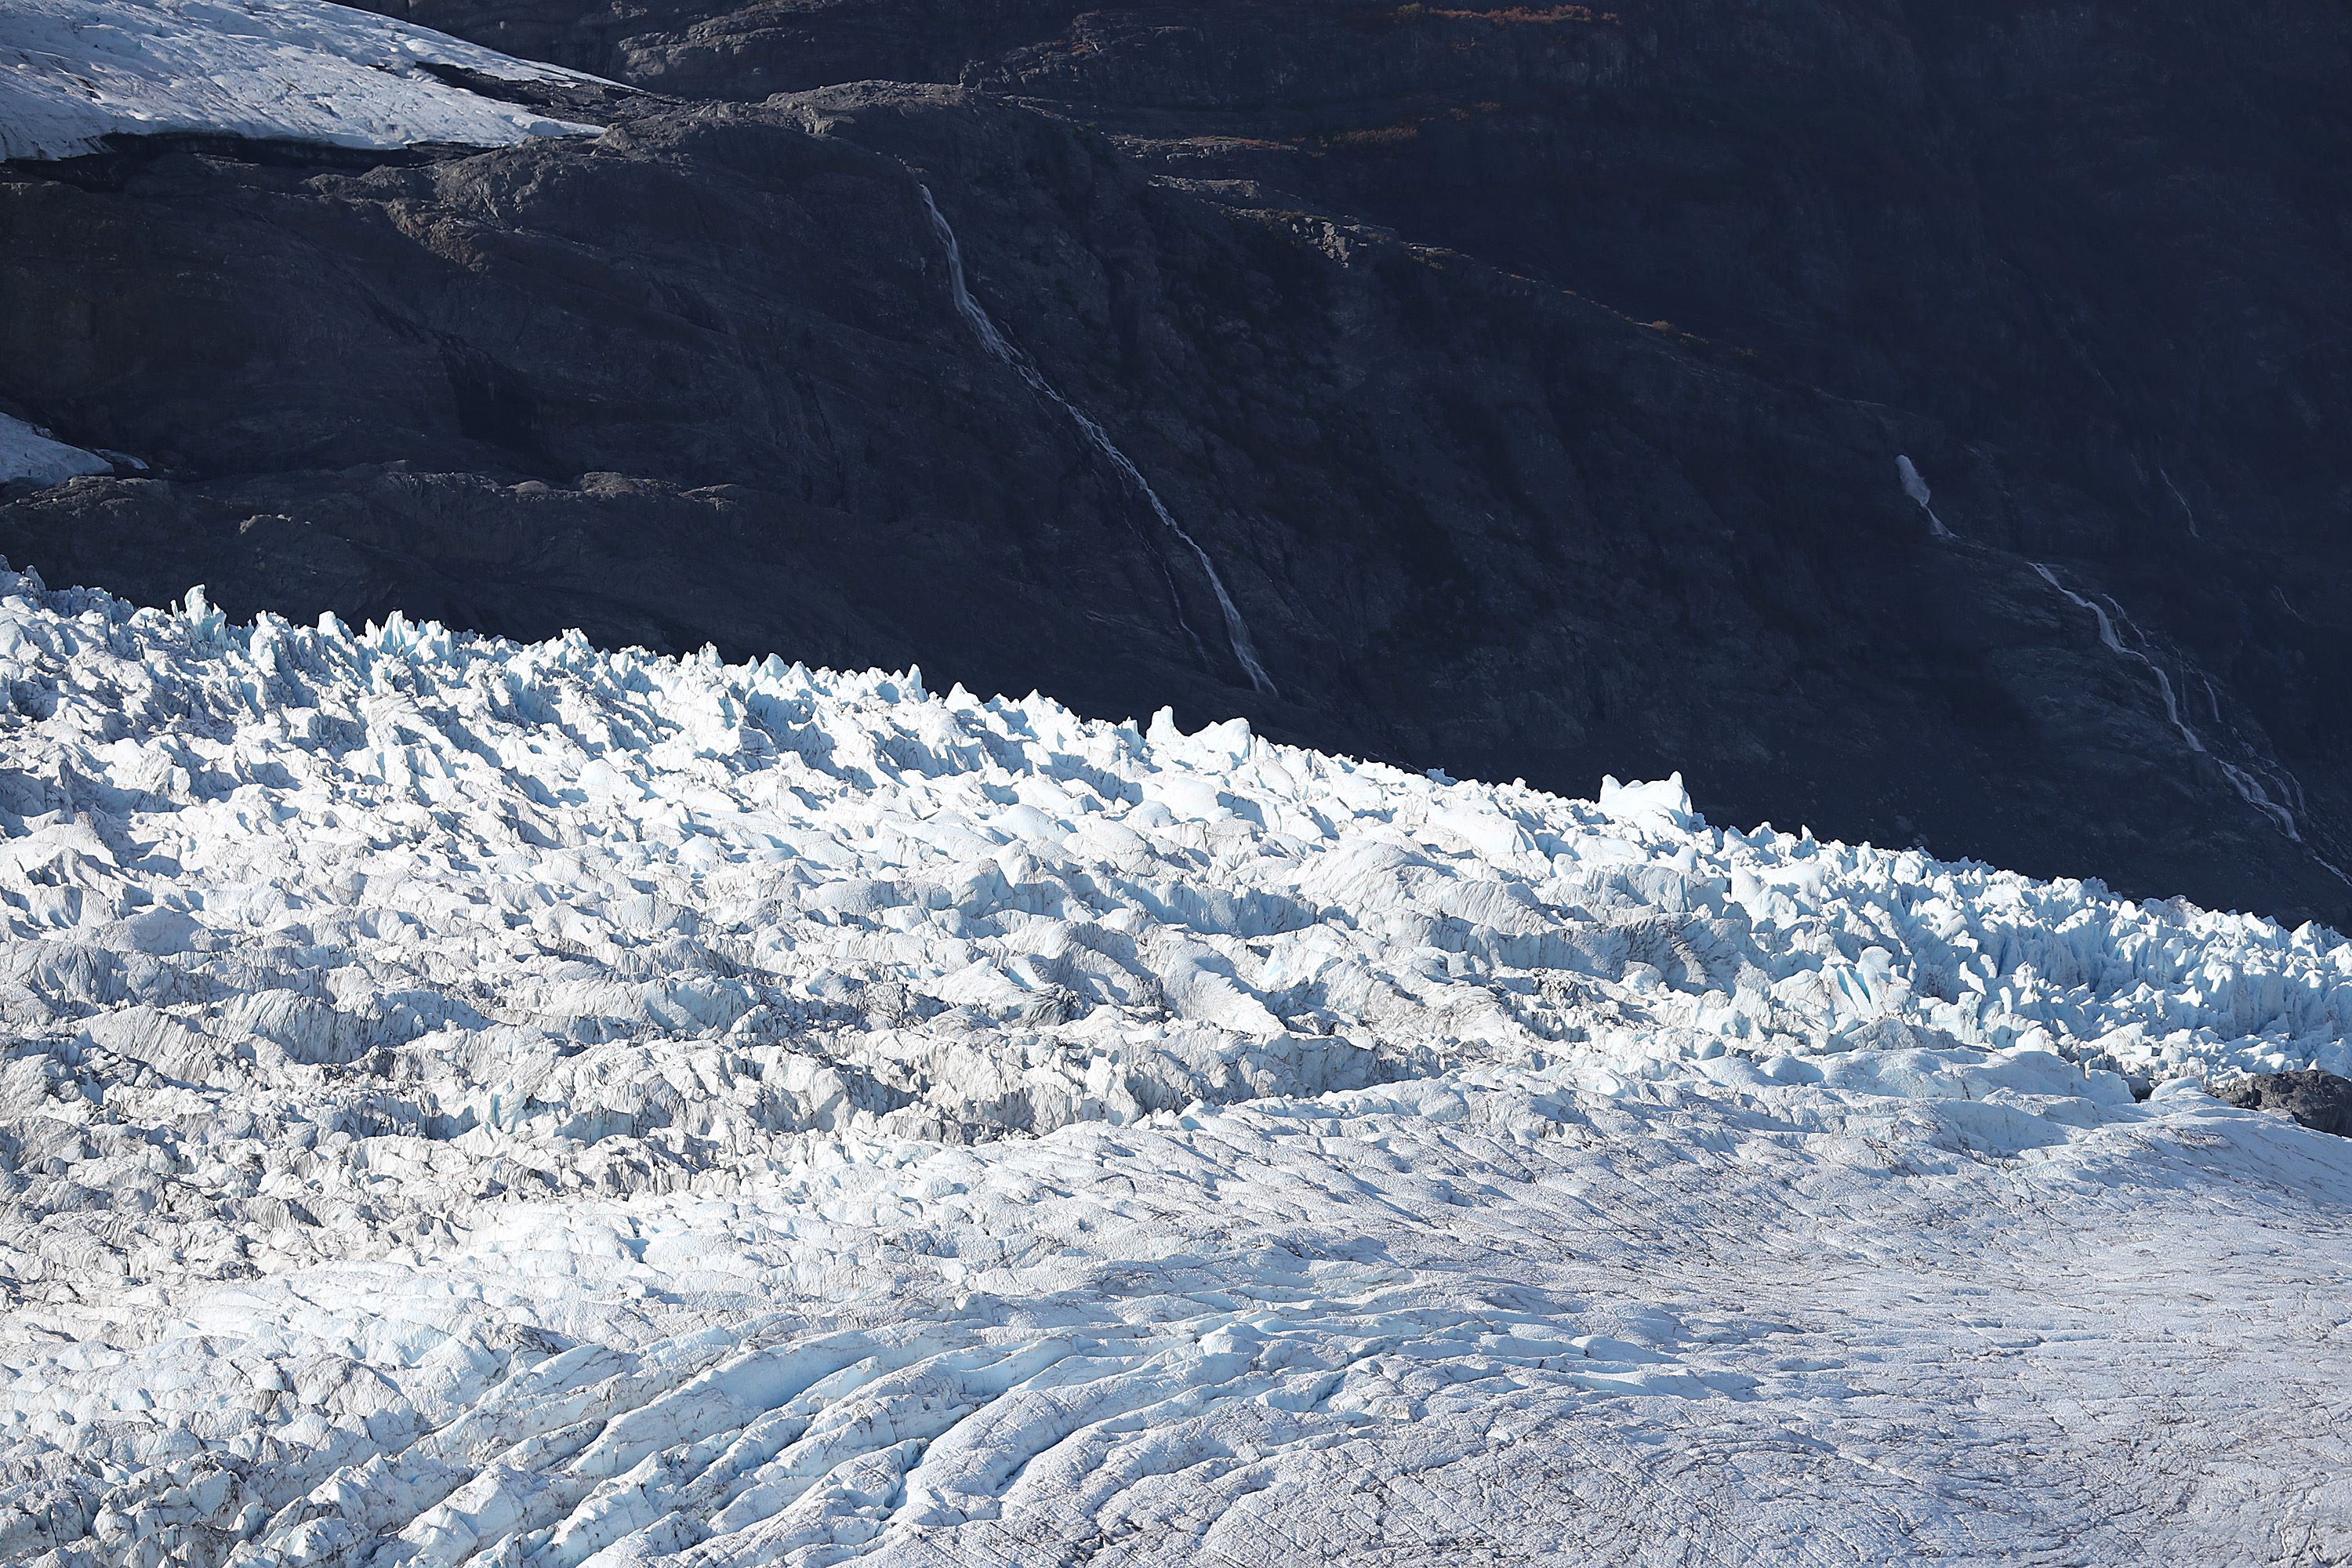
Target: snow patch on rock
[(75, 72), (1906, 473), (27, 453)]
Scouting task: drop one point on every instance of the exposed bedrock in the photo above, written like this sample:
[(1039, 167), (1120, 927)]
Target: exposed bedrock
[(2320, 1100), (1534, 380)]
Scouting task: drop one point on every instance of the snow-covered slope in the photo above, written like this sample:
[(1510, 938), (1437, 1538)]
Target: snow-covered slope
[(477, 1103), (26, 454), (74, 72)]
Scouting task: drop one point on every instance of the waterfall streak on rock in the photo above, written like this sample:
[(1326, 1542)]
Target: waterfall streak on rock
[(2115, 644), (995, 342), (2247, 783), (2183, 501), (2163, 681), (2248, 788), (1917, 489)]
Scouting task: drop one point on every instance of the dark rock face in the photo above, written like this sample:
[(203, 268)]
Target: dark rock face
[(1532, 377), (2319, 1101)]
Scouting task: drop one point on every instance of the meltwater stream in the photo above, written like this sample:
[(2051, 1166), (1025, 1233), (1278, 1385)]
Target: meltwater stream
[(995, 342), (1917, 489), (2250, 789)]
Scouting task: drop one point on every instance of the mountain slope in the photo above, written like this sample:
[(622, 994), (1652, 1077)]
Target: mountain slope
[(1370, 301)]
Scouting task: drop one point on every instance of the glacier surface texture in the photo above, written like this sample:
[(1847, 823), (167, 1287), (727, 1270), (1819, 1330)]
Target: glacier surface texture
[(470, 1103)]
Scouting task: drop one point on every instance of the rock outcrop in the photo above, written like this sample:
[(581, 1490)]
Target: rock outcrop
[(2318, 1100)]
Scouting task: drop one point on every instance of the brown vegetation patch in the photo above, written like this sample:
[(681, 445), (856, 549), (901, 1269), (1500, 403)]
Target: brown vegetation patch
[(1508, 15)]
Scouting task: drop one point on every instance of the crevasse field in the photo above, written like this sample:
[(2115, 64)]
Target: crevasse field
[(529, 1106)]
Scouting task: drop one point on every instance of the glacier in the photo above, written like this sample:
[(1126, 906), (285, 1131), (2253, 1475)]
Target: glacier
[(470, 1102), (76, 73)]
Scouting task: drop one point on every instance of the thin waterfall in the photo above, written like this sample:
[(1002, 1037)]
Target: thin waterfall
[(2250, 788), (2115, 644), (2183, 501), (995, 342), (1917, 489)]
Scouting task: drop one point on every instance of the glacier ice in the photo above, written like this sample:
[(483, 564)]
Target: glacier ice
[(75, 72), (466, 1102)]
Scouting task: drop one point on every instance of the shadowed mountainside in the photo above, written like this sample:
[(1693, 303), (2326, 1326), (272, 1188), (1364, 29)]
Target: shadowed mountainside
[(1533, 380)]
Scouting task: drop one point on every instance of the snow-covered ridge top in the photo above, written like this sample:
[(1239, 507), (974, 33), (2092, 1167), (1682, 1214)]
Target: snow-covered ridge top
[(74, 72)]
